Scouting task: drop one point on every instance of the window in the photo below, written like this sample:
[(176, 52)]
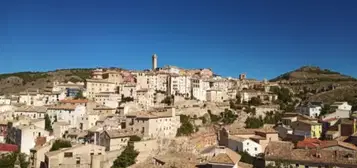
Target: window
[(255, 148), (68, 154), (78, 160)]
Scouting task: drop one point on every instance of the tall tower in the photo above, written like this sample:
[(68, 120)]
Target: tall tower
[(154, 62)]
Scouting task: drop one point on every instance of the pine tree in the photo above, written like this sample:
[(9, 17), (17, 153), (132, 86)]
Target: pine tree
[(126, 158), (48, 125)]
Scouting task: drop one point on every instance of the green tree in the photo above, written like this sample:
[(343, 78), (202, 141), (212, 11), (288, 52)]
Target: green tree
[(214, 118), (186, 127), (325, 110), (228, 116), (48, 125), (8, 160), (134, 138), (24, 163), (252, 122), (246, 158), (59, 144), (79, 95), (126, 158), (255, 101)]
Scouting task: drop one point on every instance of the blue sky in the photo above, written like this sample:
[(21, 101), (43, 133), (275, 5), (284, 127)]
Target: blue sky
[(262, 38)]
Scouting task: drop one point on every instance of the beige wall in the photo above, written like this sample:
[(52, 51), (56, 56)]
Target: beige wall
[(82, 153)]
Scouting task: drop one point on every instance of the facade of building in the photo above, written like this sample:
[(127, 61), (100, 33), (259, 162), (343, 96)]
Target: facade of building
[(214, 95), (307, 128), (154, 124), (79, 156), (244, 145), (114, 139), (341, 106), (25, 136), (33, 112), (95, 86), (310, 110), (66, 113), (109, 99)]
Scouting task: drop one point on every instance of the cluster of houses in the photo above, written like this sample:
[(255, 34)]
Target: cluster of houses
[(100, 115)]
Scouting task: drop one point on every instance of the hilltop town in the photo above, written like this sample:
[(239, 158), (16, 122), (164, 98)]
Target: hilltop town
[(174, 117)]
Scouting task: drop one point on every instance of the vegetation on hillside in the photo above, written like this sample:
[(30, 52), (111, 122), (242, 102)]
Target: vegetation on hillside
[(126, 158), (186, 128), (226, 117), (48, 125), (26, 76), (311, 73), (9, 160), (257, 122), (59, 144)]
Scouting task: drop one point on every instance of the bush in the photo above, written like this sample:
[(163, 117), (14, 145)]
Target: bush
[(59, 144), (126, 158), (186, 127), (252, 122)]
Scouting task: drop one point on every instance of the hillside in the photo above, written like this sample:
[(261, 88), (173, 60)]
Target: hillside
[(20, 81), (316, 84), (312, 74)]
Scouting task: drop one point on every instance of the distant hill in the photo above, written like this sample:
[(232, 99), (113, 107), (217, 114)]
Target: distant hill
[(316, 84), (311, 73), (20, 81)]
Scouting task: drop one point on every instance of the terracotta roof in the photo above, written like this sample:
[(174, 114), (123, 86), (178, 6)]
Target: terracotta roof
[(327, 144), (309, 143), (280, 151), (74, 101), (228, 157), (39, 109), (62, 107), (245, 131)]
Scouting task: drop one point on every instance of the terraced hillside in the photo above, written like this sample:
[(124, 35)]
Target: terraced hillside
[(20, 81)]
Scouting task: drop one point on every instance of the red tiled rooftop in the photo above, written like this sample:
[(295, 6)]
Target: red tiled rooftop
[(8, 148), (309, 143)]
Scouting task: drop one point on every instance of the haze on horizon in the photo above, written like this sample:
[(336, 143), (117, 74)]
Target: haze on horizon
[(263, 39)]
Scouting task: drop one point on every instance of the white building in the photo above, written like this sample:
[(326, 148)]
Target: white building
[(145, 98), (33, 98), (199, 88), (179, 84), (109, 99), (66, 113), (341, 106), (214, 95), (127, 90), (115, 139), (79, 156), (60, 129), (154, 124), (240, 144), (95, 86), (87, 121), (33, 112), (4, 100), (25, 136), (310, 110)]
